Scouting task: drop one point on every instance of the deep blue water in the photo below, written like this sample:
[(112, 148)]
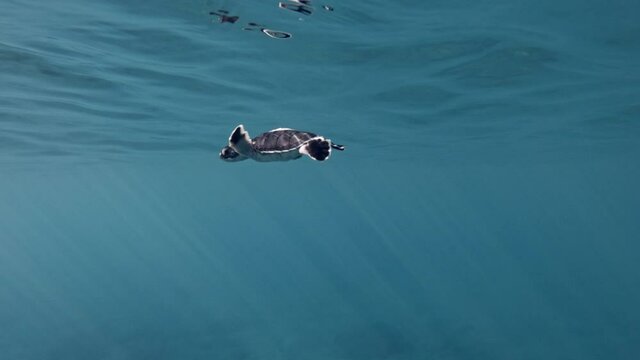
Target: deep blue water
[(486, 207)]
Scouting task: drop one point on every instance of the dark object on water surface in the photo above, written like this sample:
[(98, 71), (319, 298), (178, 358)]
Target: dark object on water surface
[(302, 9), (301, 6), (223, 16), (280, 144)]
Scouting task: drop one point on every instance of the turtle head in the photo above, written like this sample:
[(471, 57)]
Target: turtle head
[(228, 154)]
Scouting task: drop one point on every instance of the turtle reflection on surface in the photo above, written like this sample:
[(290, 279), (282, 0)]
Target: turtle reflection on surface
[(301, 6), (276, 34), (304, 7), (223, 16)]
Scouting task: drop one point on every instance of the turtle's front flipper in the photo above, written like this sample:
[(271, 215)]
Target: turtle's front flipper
[(318, 149), (240, 141)]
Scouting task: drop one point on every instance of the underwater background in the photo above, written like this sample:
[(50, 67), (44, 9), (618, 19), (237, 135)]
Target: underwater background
[(486, 205)]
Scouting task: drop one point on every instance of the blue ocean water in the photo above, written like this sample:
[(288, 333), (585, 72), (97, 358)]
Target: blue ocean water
[(486, 206)]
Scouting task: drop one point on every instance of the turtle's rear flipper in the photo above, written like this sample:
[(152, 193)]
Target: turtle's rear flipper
[(317, 149)]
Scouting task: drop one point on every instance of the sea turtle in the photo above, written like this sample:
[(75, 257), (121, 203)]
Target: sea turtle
[(280, 144)]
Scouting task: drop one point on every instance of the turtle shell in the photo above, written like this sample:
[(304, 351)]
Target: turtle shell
[(281, 140)]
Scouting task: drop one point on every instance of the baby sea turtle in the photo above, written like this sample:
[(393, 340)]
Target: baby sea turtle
[(281, 144)]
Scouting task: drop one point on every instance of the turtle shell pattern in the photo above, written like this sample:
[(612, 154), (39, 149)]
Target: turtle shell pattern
[(281, 140)]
